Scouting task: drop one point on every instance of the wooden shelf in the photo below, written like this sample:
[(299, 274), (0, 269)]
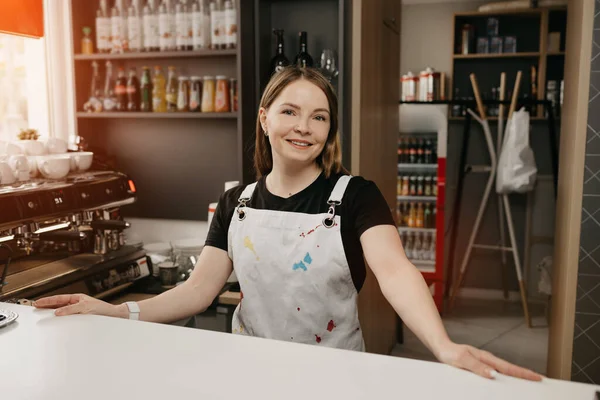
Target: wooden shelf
[(496, 119), (153, 115), (157, 54), (524, 11), (496, 55), (416, 198)]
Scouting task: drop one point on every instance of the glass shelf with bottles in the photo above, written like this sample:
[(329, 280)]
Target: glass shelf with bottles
[(155, 94), (171, 26), (417, 153), (420, 248)]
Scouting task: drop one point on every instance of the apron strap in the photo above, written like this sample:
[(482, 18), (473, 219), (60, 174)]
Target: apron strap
[(338, 191), (248, 191)]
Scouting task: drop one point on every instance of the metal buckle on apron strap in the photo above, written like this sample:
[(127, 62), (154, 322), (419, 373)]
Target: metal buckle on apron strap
[(241, 213), (329, 220)]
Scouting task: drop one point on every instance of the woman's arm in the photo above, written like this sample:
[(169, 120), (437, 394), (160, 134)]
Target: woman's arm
[(190, 298), (405, 289)]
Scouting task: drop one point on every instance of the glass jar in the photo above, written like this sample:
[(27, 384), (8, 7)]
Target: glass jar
[(208, 94), (222, 95), (183, 94), (195, 93)]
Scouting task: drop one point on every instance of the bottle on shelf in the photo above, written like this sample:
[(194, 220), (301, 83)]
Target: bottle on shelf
[(181, 21), (420, 185), (425, 245), (190, 33), (412, 216), (217, 23), (94, 103), (427, 217), (133, 91), (420, 151), (400, 151), (205, 38), (183, 93), (409, 247), (434, 188), (417, 247), (412, 151), (196, 26), (427, 185), (164, 27), (428, 152), (231, 24), (121, 90), (87, 45), (159, 91), (171, 91), (150, 29), (124, 30), (420, 220), (109, 99), (279, 61), (432, 248), (303, 59), (115, 30), (222, 102), (195, 93), (405, 185), (103, 28), (208, 94), (146, 91), (135, 27), (412, 187)]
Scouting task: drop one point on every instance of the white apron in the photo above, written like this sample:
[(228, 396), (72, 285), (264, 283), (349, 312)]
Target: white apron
[(294, 277)]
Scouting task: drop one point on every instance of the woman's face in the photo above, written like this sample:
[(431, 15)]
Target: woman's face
[(297, 123)]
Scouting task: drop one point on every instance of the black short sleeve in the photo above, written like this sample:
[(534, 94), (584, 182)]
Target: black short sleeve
[(367, 206), (219, 227)]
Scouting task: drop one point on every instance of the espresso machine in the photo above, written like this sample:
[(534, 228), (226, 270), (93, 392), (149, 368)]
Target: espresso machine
[(67, 236)]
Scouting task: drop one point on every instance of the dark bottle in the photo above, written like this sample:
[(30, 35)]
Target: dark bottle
[(146, 91), (121, 91), (412, 152), (303, 59), (428, 152), (133, 91), (400, 151), (420, 152), (280, 61)]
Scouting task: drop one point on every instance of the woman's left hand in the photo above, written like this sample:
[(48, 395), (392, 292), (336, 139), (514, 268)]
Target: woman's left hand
[(482, 362)]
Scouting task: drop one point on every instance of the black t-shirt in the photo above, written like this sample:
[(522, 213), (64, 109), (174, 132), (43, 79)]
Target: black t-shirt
[(363, 207)]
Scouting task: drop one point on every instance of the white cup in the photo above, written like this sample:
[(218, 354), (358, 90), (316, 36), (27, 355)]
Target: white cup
[(10, 149), (20, 166), (56, 146), (32, 147), (33, 168), (7, 175), (81, 160), (54, 166)]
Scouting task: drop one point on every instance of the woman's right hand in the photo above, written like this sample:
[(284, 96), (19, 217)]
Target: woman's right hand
[(67, 304)]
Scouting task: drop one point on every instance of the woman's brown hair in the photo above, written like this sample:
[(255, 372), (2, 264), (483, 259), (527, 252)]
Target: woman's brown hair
[(330, 159)]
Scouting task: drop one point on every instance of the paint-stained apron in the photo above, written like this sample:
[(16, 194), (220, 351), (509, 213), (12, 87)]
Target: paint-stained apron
[(293, 273)]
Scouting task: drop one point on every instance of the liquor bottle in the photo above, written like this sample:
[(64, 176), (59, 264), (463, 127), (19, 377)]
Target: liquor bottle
[(171, 90), (121, 90), (149, 29), (280, 61), (182, 28), (115, 30), (94, 103), (124, 31), (134, 27), (303, 59), (133, 91), (146, 91), (230, 24), (109, 99), (159, 91), (103, 28)]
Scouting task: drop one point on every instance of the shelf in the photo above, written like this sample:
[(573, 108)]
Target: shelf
[(402, 229), (416, 198), (420, 167), (157, 54), (174, 115), (496, 119), (523, 11), (496, 55)]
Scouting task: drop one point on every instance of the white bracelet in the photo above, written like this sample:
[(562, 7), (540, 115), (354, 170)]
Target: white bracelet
[(134, 310)]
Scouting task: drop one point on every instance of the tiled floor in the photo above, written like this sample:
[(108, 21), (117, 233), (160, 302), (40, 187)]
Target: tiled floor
[(496, 326)]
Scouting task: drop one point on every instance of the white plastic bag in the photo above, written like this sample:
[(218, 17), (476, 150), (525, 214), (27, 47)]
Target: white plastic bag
[(516, 165)]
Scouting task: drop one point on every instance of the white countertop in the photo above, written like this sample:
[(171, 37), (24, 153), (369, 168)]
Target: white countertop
[(92, 357)]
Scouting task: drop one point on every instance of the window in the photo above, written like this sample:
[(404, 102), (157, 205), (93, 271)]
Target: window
[(23, 86), (36, 79)]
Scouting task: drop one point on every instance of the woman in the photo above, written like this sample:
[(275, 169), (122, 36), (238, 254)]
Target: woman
[(296, 240)]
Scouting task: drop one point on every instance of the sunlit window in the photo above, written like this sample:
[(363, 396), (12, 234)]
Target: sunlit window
[(23, 86)]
